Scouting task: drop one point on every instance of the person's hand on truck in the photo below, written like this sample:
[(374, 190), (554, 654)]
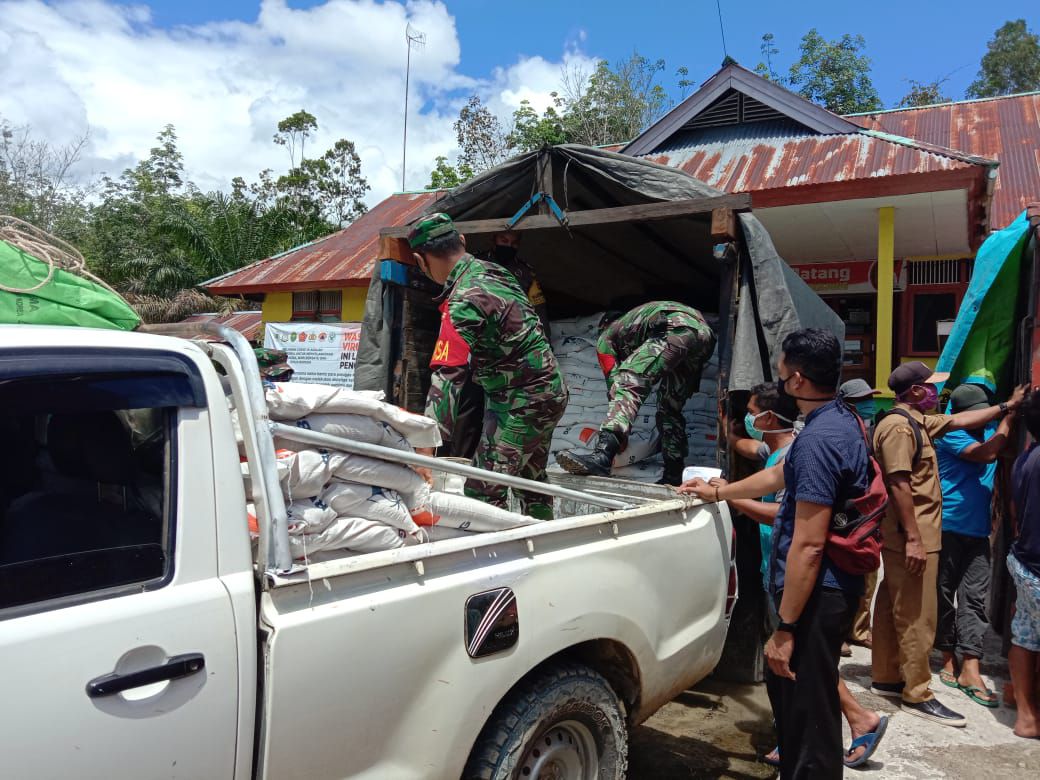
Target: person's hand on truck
[(423, 471)]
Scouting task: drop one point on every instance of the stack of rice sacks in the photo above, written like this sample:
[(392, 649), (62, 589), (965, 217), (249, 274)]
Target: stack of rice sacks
[(574, 343), (340, 501)]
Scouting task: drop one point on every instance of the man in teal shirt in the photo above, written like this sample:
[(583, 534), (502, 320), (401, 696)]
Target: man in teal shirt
[(967, 465)]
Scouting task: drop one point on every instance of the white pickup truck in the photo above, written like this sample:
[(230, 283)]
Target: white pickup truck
[(144, 636)]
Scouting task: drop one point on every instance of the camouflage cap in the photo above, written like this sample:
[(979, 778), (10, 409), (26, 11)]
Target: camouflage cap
[(273, 363), (430, 227)]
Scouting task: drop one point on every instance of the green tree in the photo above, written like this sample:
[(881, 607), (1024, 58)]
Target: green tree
[(612, 105), (1011, 63), (924, 93), (36, 183), (533, 131), (769, 51), (482, 141), (445, 177), (835, 74)]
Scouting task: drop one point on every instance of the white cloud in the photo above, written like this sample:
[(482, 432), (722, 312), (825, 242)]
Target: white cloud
[(224, 85)]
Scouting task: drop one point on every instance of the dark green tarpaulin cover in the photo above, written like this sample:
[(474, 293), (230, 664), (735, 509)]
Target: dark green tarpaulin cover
[(586, 269), (982, 339)]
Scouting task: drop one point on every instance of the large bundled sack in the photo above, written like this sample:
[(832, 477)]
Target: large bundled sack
[(349, 533), (355, 427), (470, 514), (291, 401), (371, 503)]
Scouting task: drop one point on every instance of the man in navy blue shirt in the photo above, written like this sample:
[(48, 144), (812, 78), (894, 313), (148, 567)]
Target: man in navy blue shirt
[(1024, 564), (816, 600)]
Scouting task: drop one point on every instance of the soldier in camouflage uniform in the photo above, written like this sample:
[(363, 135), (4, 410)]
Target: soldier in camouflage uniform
[(661, 343), (490, 331), (469, 418)]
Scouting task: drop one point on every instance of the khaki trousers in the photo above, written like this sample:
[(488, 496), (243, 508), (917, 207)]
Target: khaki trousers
[(904, 626), (860, 632)]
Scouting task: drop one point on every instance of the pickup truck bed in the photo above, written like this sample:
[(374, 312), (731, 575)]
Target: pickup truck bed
[(179, 653)]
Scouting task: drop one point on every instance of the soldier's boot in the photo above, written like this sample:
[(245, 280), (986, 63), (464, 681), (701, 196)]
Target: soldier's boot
[(673, 470), (596, 461)]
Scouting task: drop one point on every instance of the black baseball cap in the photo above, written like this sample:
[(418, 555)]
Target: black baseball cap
[(913, 373)]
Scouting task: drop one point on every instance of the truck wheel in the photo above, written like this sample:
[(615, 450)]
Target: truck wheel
[(565, 723)]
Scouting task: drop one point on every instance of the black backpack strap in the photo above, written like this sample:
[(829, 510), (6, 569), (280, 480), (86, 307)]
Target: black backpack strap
[(914, 426)]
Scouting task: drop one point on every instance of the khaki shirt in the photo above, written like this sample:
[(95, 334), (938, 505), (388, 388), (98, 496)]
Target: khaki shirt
[(894, 447)]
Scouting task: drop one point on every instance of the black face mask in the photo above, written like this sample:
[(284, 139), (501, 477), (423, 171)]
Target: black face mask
[(504, 254), (781, 390)]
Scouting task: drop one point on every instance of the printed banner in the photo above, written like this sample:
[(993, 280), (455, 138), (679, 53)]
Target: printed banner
[(323, 352), (850, 277)]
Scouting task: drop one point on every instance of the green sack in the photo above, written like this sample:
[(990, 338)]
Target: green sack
[(67, 299)]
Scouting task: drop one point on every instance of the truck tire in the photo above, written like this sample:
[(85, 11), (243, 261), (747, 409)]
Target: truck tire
[(564, 723)]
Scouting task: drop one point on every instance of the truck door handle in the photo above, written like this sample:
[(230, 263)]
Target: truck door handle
[(175, 667)]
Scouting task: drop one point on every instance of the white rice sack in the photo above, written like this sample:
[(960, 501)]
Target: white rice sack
[(569, 345), (436, 533), (380, 473), (585, 327), (349, 426), (647, 471), (371, 503), (573, 369), (350, 533), (641, 445), (471, 514), (310, 516), (294, 400)]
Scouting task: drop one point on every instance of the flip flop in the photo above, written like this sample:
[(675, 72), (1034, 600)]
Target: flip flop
[(973, 692), (771, 761), (949, 679), (869, 741)]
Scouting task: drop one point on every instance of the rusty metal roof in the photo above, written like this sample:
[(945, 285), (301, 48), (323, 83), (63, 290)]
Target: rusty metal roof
[(782, 153), (1006, 129), (343, 259), (248, 323)]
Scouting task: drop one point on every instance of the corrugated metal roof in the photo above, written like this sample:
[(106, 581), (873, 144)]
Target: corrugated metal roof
[(1006, 129), (344, 259), (782, 153), (247, 323)]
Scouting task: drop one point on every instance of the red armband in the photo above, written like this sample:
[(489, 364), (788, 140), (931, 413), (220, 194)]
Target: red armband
[(451, 349), (606, 362)]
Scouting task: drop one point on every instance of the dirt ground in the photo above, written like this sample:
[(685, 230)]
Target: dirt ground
[(719, 730)]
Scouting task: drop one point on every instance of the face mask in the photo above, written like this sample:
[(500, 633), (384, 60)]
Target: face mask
[(504, 254), (867, 409), (781, 390), (931, 398), (781, 387), (749, 426)]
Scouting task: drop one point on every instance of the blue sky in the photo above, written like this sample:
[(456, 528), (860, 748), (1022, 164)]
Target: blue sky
[(905, 39), (224, 72)]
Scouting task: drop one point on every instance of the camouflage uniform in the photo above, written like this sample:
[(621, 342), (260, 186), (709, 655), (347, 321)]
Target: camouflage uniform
[(469, 419), (662, 342), (490, 332)]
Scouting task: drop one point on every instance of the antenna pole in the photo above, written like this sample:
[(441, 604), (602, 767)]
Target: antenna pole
[(412, 38), (722, 29)]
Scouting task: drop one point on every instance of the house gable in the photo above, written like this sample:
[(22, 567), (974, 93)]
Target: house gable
[(734, 96)]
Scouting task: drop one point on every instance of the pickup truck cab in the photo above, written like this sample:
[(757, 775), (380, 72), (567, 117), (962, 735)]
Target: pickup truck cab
[(145, 636)]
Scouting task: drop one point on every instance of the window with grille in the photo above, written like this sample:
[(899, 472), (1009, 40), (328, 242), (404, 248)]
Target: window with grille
[(922, 272), (305, 306), (318, 306)]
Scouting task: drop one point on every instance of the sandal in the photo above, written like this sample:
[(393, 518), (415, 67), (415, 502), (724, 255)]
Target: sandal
[(949, 679), (772, 761), (983, 696), (869, 741)]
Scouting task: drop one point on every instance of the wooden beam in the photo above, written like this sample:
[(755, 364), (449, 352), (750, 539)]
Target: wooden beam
[(646, 212), (394, 249), (723, 225)]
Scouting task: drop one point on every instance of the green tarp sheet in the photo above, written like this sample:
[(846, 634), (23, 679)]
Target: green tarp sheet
[(67, 299), (983, 335)]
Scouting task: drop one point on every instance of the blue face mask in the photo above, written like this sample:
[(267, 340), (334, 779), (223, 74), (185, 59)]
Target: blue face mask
[(749, 426), (867, 409)]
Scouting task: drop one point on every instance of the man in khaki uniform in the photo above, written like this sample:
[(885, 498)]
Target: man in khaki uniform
[(906, 609)]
